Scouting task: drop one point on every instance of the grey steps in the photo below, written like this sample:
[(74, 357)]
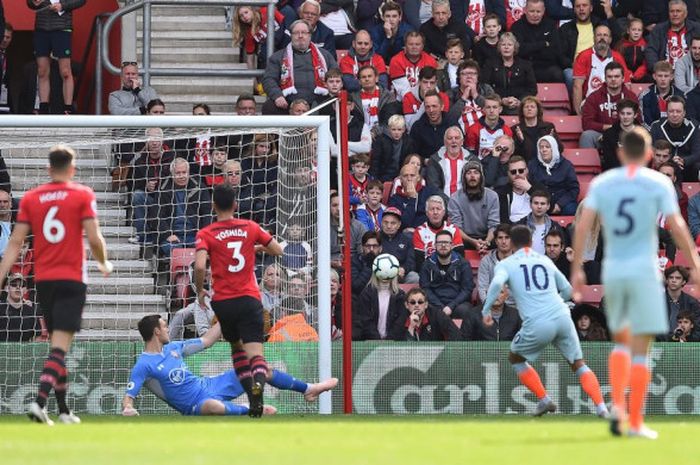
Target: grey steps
[(118, 232), (225, 86), (111, 199), (89, 334), (122, 268), (42, 153), (120, 285), (217, 34), (119, 251), (191, 55), (190, 23), (36, 163), (192, 42), (126, 304), (97, 183)]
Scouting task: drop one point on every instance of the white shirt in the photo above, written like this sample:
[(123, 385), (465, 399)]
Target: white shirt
[(337, 21), (538, 239), (520, 206), (384, 296)]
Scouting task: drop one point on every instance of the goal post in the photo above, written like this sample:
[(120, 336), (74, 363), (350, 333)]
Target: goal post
[(30, 132)]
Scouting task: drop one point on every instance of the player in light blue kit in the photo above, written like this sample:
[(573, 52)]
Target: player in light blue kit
[(629, 201), (162, 370), (539, 290)]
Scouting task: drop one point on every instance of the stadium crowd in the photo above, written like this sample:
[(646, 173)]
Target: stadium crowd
[(459, 127)]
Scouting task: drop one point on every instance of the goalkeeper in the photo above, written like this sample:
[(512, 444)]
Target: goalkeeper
[(162, 370)]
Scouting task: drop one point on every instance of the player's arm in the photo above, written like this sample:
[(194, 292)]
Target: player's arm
[(98, 247), (682, 238), (200, 270), (128, 409), (500, 278), (272, 248), (583, 230), (565, 289), (211, 336), (133, 387), (14, 246)]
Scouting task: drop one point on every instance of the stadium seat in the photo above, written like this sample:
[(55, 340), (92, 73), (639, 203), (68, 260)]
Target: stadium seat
[(510, 120), (637, 87), (554, 97), (690, 188), (586, 162), (387, 192), (583, 189), (340, 54), (692, 290), (180, 261), (568, 127), (407, 287), (592, 295), (563, 221), (680, 259), (473, 258)]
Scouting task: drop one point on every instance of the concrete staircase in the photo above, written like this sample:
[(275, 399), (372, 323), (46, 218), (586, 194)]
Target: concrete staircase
[(116, 303), (193, 37)]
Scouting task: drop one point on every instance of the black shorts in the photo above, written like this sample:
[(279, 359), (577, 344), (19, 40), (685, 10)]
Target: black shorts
[(240, 318), (57, 43), (62, 304)]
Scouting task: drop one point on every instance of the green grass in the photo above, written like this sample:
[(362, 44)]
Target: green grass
[(337, 440)]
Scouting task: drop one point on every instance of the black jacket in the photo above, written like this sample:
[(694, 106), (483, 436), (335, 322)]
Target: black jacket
[(142, 171), (685, 302), (451, 287), (527, 147), (518, 83), (162, 213), (365, 315), (361, 268), (608, 149), (427, 139), (436, 326), (685, 139), (505, 198), (436, 38), (539, 43), (401, 247), (503, 329), (384, 166), (568, 35)]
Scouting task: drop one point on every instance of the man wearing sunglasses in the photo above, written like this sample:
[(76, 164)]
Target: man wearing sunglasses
[(424, 322), (133, 97), (514, 197), (18, 319)]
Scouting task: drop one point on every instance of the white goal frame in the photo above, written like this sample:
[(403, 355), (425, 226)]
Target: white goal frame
[(320, 123)]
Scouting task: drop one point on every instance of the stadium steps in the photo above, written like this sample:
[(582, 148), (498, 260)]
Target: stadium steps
[(122, 268), (32, 178), (121, 285), (211, 21), (119, 251), (125, 304), (39, 153)]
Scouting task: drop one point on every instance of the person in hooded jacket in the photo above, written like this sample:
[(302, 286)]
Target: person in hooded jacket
[(557, 174), (390, 149)]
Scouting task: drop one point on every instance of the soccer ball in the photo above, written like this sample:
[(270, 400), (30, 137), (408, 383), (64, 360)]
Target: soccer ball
[(385, 266)]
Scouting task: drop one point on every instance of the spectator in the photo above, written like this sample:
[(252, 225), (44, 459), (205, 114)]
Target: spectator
[(321, 35), (510, 76), (591, 67), (692, 97), (423, 321), (445, 165), (687, 68), (557, 174), (482, 134), (388, 37), (489, 261), (424, 235), (297, 252), (214, 173), (654, 13), (405, 66), (399, 245), (6, 220), (359, 134), (678, 301), (377, 309), (18, 319), (360, 55), (539, 222), (669, 169), (411, 198), (631, 47), (447, 278), (271, 288), (359, 165), (356, 232), (474, 209), (486, 48), (506, 323), (413, 107), (429, 131), (531, 127), (443, 26), (411, 159), (496, 165), (336, 307), (197, 150), (654, 99), (292, 325), (298, 107), (377, 103), (593, 252), (590, 323), (685, 328), (260, 173), (250, 32), (5, 104), (192, 314), (628, 113), (467, 100), (538, 37), (339, 16), (514, 197), (555, 248), (150, 169), (694, 217), (132, 98), (599, 111), (181, 208), (662, 153), (390, 149), (683, 136), (370, 212), (292, 73), (669, 40), (241, 145), (52, 38), (297, 286), (447, 75)]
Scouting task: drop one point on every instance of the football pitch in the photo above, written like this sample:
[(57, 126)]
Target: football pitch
[(338, 440)]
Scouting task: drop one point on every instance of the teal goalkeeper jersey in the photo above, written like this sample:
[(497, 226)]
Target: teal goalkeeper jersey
[(538, 287), (629, 201)]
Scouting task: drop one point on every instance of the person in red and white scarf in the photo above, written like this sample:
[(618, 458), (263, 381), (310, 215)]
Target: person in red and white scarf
[(467, 100), (404, 67), (413, 107), (373, 99), (361, 54), (297, 71), (445, 166)]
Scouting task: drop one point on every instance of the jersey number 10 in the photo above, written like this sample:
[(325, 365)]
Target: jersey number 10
[(527, 274)]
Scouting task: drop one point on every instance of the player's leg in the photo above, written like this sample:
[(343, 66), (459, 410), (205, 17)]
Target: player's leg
[(64, 67), (228, 408), (526, 347), (251, 330), (42, 49), (640, 375), (53, 377), (311, 391), (591, 386)]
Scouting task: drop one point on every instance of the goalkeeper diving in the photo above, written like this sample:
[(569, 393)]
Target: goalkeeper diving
[(162, 370)]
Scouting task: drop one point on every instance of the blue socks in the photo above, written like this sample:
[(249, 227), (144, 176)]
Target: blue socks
[(287, 382), (233, 409)]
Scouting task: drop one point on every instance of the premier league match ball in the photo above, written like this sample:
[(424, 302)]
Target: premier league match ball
[(385, 266)]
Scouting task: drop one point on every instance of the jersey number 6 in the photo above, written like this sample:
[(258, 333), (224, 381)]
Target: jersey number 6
[(54, 231)]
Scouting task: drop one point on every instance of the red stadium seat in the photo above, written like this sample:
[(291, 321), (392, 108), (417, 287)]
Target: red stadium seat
[(690, 188), (592, 295), (563, 221), (340, 54), (510, 120), (586, 162), (387, 192), (568, 127), (583, 189), (638, 87), (180, 261), (407, 287), (554, 97), (692, 290)]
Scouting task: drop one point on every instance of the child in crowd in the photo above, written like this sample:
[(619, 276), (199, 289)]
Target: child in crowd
[(447, 74), (631, 47), (359, 165), (297, 254), (370, 212), (487, 48)]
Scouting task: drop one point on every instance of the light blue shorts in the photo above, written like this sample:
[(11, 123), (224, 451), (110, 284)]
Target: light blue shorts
[(222, 387), (534, 336), (637, 303)]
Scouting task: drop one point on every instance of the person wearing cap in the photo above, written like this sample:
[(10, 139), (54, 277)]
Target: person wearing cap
[(474, 209), (399, 245), (18, 319)]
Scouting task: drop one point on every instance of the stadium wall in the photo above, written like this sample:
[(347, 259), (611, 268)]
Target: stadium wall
[(389, 378)]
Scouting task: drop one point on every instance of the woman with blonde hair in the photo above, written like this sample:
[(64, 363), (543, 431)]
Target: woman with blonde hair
[(377, 309)]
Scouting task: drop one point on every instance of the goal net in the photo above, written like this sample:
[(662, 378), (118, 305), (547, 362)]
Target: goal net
[(153, 178)]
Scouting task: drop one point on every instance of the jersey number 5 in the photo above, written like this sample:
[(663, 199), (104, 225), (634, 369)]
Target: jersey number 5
[(625, 216), (535, 279), (240, 259), (54, 231)]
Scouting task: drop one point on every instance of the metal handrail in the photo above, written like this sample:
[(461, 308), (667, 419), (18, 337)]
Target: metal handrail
[(145, 65)]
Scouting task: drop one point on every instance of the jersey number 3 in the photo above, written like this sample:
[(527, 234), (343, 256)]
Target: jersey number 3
[(626, 216), (54, 231), (240, 259)]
